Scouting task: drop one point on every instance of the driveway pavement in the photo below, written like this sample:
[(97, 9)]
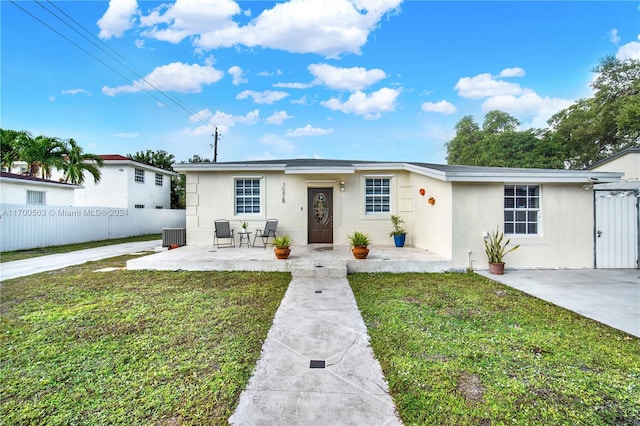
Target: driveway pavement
[(20, 268), (609, 296)]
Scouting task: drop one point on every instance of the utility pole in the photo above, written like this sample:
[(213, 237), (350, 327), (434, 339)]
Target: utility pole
[(215, 145)]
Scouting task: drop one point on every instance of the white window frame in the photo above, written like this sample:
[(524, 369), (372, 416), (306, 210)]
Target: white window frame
[(388, 196), (159, 179), (259, 197), (36, 198), (522, 209), (138, 175)]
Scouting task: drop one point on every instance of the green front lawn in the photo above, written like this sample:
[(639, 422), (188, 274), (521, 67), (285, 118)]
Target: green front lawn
[(131, 347), (459, 349)]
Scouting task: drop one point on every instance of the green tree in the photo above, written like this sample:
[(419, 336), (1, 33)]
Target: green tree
[(9, 146), (160, 159), (78, 162), (42, 154), (594, 128), (499, 144)]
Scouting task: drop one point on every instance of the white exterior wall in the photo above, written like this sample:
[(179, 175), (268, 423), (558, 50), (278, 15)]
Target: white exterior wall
[(432, 223), (210, 196), (566, 227), (117, 187), (629, 164), (14, 191)]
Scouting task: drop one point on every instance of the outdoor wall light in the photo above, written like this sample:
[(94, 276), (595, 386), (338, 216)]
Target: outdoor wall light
[(341, 185)]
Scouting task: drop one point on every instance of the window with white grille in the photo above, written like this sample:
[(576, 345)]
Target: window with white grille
[(159, 179), (36, 197), (377, 195), (247, 196), (139, 175), (521, 209)]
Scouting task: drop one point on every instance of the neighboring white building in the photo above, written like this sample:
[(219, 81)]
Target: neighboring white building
[(18, 190), (627, 161), (447, 209), (127, 184)]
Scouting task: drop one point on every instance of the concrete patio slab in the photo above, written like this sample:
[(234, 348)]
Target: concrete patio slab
[(609, 296)]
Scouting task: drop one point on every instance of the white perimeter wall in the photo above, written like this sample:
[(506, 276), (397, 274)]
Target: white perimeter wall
[(24, 227)]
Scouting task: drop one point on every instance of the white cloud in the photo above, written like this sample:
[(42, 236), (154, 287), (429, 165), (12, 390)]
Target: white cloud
[(512, 72), (530, 106), (485, 85), (130, 135), (614, 37), (278, 117), (277, 143), (630, 50), (237, 74), (329, 27), (351, 79), (308, 130), (118, 18), (442, 107), (369, 106), (266, 97), (185, 18), (221, 120), (176, 77), (76, 92), (269, 73), (294, 85)]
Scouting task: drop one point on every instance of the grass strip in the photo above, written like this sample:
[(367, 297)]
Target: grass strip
[(460, 349), (10, 256), (131, 347)]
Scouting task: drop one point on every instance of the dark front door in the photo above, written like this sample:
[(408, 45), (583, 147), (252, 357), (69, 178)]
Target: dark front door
[(320, 217)]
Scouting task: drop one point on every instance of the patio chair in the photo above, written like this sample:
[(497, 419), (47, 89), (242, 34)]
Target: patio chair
[(224, 231), (268, 231)]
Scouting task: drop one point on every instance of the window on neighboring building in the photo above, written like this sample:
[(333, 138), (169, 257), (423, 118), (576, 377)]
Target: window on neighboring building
[(247, 196), (139, 175), (377, 195), (159, 179), (159, 207), (36, 197), (521, 209), (139, 206)]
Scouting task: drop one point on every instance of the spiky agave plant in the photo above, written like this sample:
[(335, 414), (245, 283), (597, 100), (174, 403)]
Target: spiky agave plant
[(494, 247)]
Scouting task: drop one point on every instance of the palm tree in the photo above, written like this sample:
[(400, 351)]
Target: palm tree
[(41, 153), (77, 162), (9, 150)]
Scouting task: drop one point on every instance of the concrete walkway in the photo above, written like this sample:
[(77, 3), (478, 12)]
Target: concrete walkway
[(34, 265), (317, 367)]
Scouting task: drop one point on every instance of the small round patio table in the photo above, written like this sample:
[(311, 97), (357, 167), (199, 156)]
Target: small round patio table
[(245, 236)]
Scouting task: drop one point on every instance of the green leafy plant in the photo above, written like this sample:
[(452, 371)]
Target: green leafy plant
[(244, 225), (495, 248), (359, 239), (282, 241), (397, 222)]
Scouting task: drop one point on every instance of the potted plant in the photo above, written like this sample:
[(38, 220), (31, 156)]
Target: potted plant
[(496, 250), (281, 246), (244, 225), (359, 244), (399, 234)]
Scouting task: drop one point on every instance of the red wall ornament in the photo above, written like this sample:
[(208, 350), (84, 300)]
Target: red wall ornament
[(421, 191), (431, 200)]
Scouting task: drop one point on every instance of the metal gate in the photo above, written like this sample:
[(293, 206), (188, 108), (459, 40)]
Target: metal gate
[(616, 238)]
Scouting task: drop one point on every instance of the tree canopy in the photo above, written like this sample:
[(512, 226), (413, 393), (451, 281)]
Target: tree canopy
[(588, 131), (160, 159)]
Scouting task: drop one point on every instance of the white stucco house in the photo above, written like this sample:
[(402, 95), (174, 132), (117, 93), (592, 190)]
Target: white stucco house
[(447, 209), (31, 191)]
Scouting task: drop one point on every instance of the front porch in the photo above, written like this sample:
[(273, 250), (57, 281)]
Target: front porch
[(321, 258)]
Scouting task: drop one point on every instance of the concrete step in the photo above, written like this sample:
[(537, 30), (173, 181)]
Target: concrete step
[(333, 269)]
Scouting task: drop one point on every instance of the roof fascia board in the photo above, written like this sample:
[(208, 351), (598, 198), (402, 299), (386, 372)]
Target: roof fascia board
[(39, 183), (318, 170), (220, 167)]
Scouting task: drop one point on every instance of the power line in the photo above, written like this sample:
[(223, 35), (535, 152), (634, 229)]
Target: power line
[(172, 99)]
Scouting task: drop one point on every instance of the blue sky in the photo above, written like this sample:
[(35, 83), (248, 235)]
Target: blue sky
[(340, 79)]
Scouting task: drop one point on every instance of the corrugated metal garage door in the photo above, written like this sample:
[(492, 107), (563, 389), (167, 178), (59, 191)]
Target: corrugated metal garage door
[(616, 237)]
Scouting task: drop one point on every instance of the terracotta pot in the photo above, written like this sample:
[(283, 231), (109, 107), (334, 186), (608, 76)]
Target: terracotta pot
[(282, 253), (360, 252), (496, 268)]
